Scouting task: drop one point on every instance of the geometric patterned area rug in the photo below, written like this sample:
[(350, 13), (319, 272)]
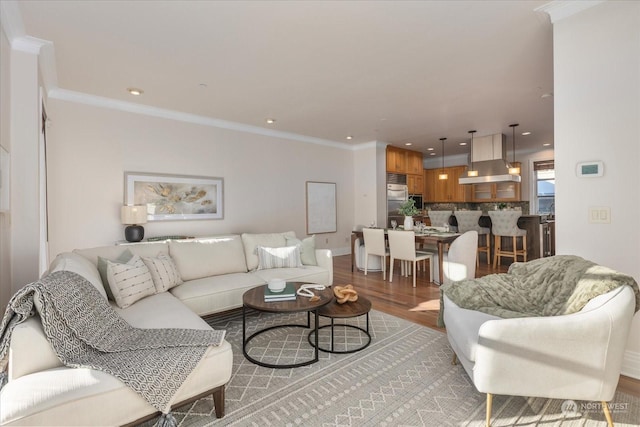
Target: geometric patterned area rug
[(403, 378)]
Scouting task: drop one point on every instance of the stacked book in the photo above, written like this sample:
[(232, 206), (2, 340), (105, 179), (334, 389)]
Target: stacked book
[(287, 294)]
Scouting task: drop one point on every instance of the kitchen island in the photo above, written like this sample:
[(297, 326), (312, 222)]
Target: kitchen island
[(540, 234)]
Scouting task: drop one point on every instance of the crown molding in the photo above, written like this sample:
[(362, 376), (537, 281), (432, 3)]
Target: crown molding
[(130, 107), (561, 9), (11, 20)]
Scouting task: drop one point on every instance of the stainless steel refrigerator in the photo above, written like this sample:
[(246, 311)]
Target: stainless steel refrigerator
[(397, 194)]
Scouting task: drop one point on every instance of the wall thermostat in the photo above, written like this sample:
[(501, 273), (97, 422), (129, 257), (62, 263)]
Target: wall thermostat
[(590, 169)]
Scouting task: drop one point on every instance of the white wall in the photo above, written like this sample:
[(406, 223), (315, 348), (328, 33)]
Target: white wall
[(5, 142), (597, 117), (90, 148), (370, 196)]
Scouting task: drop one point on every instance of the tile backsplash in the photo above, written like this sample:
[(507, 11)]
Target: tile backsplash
[(484, 207)]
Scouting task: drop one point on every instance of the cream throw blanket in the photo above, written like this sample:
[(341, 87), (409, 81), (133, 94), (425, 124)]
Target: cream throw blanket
[(551, 286), (85, 331)]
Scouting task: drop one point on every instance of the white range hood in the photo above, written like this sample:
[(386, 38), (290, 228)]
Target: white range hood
[(490, 160)]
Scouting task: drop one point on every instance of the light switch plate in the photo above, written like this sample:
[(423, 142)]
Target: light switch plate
[(599, 215)]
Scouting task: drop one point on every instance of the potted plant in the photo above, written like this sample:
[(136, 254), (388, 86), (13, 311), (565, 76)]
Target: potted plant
[(408, 209)]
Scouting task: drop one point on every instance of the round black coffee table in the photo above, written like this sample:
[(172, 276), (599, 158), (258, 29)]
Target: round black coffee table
[(333, 311), (254, 299)]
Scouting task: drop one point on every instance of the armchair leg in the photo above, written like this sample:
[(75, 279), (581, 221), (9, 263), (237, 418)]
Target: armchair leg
[(607, 414), (489, 403), (454, 360)]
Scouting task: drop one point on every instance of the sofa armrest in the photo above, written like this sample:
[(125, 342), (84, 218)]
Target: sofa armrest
[(576, 356), (325, 260), (29, 350)]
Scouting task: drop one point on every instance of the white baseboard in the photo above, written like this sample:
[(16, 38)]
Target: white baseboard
[(631, 364)]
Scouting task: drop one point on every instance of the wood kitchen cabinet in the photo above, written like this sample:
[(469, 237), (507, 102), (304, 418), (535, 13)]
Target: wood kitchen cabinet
[(414, 163), (415, 183), (496, 191), (446, 190), (396, 160), (404, 161)]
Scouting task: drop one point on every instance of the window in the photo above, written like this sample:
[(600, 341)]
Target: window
[(545, 177)]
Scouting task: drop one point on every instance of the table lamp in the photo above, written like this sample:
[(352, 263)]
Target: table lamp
[(133, 216)]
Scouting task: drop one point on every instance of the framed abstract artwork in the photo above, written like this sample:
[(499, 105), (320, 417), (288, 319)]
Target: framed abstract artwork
[(321, 207), (175, 197)]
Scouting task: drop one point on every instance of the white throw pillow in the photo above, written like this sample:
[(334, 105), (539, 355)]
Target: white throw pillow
[(307, 249), (163, 272), (284, 257), (129, 282)]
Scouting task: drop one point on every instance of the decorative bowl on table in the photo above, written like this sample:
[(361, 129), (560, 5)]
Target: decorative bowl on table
[(276, 285)]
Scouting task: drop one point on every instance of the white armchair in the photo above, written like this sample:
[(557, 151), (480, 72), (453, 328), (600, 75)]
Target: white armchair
[(576, 356)]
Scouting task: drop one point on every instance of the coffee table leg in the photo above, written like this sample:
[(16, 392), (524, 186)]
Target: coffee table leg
[(317, 354), (332, 336)]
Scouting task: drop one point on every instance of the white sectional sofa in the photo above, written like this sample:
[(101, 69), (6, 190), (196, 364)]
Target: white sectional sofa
[(215, 272)]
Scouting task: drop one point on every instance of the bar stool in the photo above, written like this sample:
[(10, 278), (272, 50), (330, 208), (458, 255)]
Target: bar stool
[(439, 218), (505, 224), (469, 221)]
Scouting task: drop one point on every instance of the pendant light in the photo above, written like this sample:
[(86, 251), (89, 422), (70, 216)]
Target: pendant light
[(471, 171), (443, 175), (514, 170)]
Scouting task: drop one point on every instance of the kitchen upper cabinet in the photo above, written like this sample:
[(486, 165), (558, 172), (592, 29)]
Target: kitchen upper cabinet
[(414, 163), (445, 190), (496, 191), (404, 161), (396, 160), (415, 183)]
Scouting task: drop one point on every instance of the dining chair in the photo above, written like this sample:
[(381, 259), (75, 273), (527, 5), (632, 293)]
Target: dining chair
[(402, 246), (375, 244), (460, 261), (468, 221), (439, 218), (505, 224)]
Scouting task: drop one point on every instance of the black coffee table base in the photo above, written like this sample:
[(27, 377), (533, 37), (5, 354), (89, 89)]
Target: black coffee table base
[(332, 325), (246, 340)]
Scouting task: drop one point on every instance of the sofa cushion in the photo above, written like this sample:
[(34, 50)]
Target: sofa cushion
[(163, 272), (129, 282), (124, 257), (270, 240), (306, 274), (216, 293), (307, 249), (208, 257), (283, 257), (70, 261)]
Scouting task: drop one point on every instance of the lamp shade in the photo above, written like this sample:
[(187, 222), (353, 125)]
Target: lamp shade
[(136, 214)]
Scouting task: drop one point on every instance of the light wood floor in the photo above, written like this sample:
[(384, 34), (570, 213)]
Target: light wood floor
[(400, 298)]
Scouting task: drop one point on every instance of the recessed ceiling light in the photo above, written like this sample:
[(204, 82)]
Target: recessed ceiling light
[(349, 137), (547, 95), (526, 133), (270, 121), (546, 144), (135, 91), (430, 149), (408, 143), (463, 143), (432, 154), (203, 85)]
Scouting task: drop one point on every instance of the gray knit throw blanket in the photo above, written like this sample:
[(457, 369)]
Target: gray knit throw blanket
[(85, 331)]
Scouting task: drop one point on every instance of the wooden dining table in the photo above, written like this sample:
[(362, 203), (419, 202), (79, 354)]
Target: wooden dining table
[(439, 238)]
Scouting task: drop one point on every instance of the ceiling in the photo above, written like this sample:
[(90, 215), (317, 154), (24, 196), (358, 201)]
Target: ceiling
[(392, 71)]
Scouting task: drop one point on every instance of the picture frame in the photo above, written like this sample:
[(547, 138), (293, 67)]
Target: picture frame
[(321, 207), (175, 197)]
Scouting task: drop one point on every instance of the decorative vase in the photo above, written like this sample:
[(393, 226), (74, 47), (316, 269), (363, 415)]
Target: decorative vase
[(408, 223)]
